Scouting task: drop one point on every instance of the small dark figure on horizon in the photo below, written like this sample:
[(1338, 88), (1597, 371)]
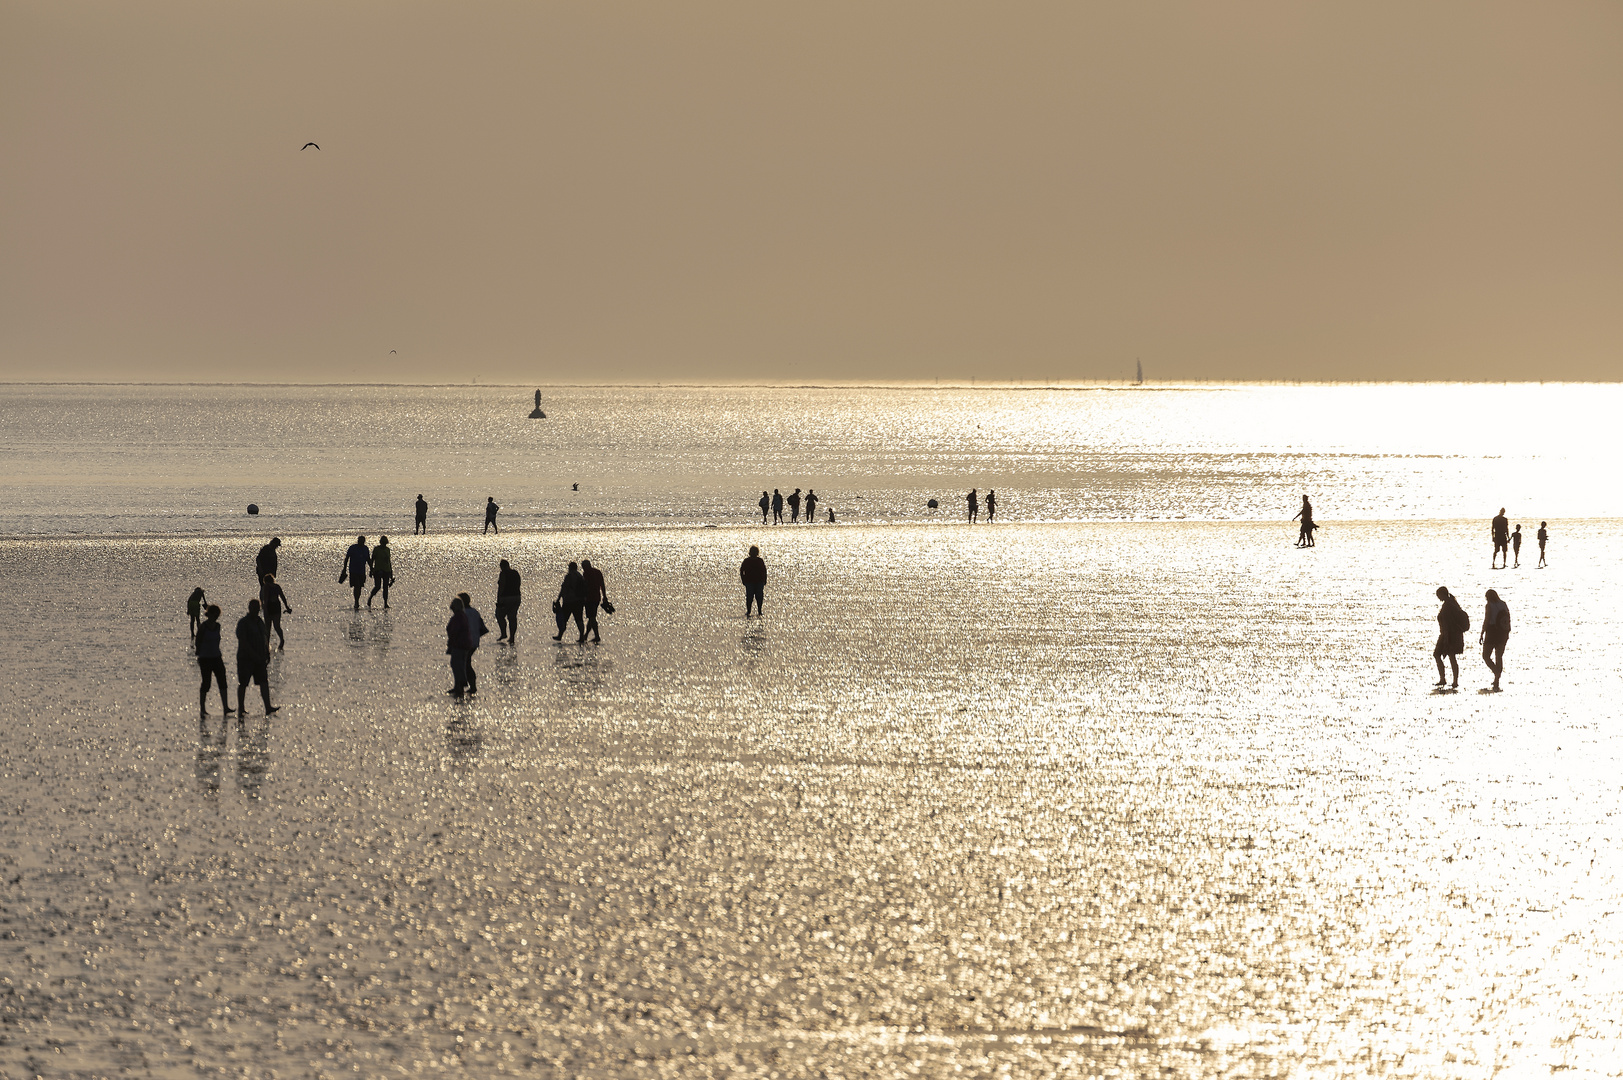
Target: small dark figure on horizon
[(272, 602), (973, 502), (194, 609), (490, 515), (1516, 545), (356, 560), (382, 572), (1543, 538), (509, 595), (1452, 623), (1501, 540), (991, 507), (752, 572), (210, 662), (476, 630), (570, 603), (597, 595), (1495, 634), (253, 657), (794, 505), (422, 516), (811, 505), (266, 562), (1305, 537), (766, 505), (456, 647), (777, 507), (831, 516)]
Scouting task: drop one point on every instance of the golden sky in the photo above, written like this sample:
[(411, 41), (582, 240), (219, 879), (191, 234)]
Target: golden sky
[(600, 191)]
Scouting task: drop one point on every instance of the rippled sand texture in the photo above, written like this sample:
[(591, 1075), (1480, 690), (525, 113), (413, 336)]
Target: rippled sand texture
[(1026, 800)]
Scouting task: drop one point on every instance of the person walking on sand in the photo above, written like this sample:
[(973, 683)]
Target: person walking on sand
[(811, 506), (794, 506), (1305, 537), (991, 507), (1543, 538), (777, 507), (1501, 540), (752, 572), (765, 504), (194, 608), (973, 502), (210, 661), (272, 602), (266, 562), (382, 572), (509, 596), (1452, 623), (1495, 634), (597, 595), (476, 630), (456, 647), (253, 657), (1516, 545), (422, 516), (490, 515), (570, 602), (356, 560)]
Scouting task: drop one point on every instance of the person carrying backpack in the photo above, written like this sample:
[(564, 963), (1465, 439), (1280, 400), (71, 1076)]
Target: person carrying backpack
[(1452, 623)]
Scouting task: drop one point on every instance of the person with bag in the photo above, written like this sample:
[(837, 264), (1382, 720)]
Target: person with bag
[(1452, 623), (1495, 634), (569, 604), (597, 594), (476, 630), (356, 560), (456, 646), (382, 572)]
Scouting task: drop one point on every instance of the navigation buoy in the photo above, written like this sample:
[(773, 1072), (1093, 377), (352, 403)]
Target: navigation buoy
[(536, 413), (253, 508), (933, 505)]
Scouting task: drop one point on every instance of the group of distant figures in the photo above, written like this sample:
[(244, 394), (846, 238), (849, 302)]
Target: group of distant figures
[(777, 501)]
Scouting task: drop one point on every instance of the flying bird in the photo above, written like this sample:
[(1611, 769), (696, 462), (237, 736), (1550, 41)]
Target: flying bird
[(307, 146)]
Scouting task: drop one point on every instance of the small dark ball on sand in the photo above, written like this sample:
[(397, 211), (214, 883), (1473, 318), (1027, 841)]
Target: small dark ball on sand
[(253, 508)]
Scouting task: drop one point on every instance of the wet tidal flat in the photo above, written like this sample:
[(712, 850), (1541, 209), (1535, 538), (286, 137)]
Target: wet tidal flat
[(1093, 799)]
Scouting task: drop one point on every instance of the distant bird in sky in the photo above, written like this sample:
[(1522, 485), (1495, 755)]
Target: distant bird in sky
[(307, 146)]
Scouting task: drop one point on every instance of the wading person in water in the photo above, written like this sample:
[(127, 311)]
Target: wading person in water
[(272, 602), (973, 501), (991, 507), (1543, 538), (456, 647), (765, 504), (194, 609), (597, 594), (794, 505), (1305, 537), (490, 515), (253, 656), (422, 516), (356, 560), (1495, 634), (571, 601), (777, 507), (1501, 540), (509, 596), (1452, 623), (1516, 545), (210, 661), (266, 562), (811, 505), (476, 630), (752, 572), (382, 572)]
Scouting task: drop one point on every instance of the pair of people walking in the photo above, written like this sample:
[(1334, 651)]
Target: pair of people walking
[(359, 560), (253, 660), (581, 594), (462, 634), (1452, 625)]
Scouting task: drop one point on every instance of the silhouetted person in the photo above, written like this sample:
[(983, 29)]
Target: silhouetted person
[(811, 505), (210, 661), (831, 516), (597, 594), (1495, 634), (991, 507), (1501, 540), (509, 595), (570, 602), (194, 609), (253, 656), (490, 515), (973, 503), (1543, 538), (382, 572), (765, 504), (777, 507), (794, 505), (476, 630), (272, 602), (1305, 537), (456, 647), (1516, 544), (422, 516), (266, 562), (752, 572), (1452, 623), (356, 560)]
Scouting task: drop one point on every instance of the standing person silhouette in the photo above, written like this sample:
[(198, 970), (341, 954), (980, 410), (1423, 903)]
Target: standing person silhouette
[(490, 515), (210, 661), (571, 600), (272, 602), (1543, 538), (253, 657), (811, 505), (752, 572), (777, 507), (1516, 545), (1501, 540), (382, 572), (1452, 623), (194, 608), (794, 505), (476, 630), (991, 507), (973, 502), (422, 516), (1305, 537), (456, 647), (1495, 634), (266, 562), (597, 594), (509, 595), (765, 504), (356, 560)]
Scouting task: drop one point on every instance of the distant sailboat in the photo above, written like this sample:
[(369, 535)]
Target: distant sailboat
[(1140, 373), (536, 413)]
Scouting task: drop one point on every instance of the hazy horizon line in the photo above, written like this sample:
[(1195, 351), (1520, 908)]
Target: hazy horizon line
[(856, 384)]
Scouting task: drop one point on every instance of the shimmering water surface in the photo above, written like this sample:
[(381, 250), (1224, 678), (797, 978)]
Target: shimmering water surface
[(1118, 798)]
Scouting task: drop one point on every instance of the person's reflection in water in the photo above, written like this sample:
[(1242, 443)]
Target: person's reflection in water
[(462, 742), (253, 757), (210, 746)]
